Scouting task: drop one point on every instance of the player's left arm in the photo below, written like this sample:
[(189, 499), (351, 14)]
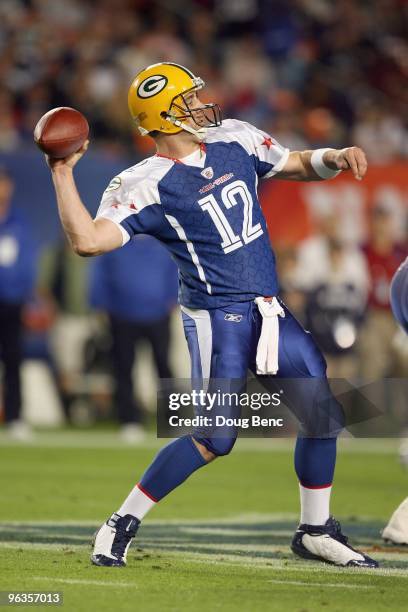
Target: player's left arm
[(322, 164)]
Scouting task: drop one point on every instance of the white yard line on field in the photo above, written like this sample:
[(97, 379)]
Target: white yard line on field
[(223, 558), (41, 546), (111, 440), (342, 585), (219, 531), (49, 580)]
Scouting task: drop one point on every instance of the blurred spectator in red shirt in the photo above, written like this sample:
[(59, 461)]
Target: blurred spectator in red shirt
[(384, 254)]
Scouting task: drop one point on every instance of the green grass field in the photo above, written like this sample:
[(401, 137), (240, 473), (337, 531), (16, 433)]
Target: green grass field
[(219, 542)]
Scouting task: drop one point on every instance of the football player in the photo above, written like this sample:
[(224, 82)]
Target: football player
[(198, 196), (396, 532)]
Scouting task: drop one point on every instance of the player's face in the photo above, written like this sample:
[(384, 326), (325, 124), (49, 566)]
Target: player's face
[(197, 109), (192, 100)]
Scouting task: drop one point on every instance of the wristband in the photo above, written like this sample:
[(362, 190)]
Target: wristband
[(320, 167)]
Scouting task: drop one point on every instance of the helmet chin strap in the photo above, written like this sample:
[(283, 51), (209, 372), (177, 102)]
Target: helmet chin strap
[(200, 133)]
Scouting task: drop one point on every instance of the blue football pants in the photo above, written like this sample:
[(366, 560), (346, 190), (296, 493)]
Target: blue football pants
[(222, 343)]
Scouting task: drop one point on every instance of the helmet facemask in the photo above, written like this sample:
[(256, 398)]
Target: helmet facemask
[(204, 116)]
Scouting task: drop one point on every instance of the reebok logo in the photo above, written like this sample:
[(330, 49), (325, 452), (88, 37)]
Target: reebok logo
[(233, 317)]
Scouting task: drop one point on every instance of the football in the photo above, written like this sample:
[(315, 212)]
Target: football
[(61, 132)]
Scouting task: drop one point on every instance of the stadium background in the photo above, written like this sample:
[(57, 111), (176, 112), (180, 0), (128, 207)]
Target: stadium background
[(313, 73)]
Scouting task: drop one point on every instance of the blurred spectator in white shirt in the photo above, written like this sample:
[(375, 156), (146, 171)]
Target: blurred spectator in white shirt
[(334, 278), (314, 264), (381, 135)]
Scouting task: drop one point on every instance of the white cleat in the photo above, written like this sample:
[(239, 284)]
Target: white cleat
[(132, 433), (19, 431), (112, 540), (396, 532), (327, 543)]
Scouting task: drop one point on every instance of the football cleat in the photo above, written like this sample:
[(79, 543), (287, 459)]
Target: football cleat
[(396, 532), (112, 540), (326, 543)]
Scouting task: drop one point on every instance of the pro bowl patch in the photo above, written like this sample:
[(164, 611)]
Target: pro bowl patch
[(114, 184)]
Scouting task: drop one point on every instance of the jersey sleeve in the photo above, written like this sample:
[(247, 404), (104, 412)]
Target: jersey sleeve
[(269, 156), (129, 207)]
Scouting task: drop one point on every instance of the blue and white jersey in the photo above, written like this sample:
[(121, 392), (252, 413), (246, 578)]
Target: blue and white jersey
[(205, 210)]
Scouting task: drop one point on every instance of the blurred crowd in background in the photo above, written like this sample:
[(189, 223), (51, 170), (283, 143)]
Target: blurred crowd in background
[(314, 73)]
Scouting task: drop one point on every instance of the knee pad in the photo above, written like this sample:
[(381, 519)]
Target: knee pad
[(218, 446)]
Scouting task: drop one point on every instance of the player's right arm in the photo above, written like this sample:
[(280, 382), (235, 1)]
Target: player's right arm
[(88, 237)]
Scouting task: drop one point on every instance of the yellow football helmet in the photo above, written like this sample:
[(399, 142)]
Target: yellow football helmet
[(157, 101)]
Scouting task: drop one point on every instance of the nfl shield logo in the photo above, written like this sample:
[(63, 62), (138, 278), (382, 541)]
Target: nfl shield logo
[(207, 173)]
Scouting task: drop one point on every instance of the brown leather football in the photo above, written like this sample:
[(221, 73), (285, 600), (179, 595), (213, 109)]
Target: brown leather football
[(61, 132)]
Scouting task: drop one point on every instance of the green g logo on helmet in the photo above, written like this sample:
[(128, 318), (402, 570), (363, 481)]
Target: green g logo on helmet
[(151, 86)]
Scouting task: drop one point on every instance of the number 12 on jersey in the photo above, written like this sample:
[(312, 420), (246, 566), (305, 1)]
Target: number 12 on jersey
[(230, 196)]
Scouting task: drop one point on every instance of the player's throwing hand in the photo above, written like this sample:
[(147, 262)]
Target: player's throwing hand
[(350, 158), (68, 162)]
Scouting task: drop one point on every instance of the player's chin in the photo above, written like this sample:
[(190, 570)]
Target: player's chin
[(201, 120)]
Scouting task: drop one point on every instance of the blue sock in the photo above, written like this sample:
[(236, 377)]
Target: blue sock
[(315, 459), (172, 465)]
